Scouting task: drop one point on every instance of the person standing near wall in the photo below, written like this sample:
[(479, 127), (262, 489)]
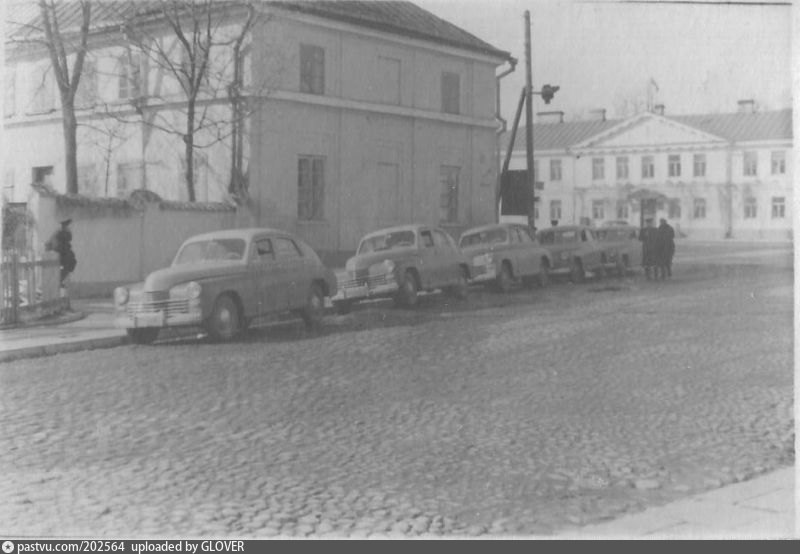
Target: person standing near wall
[(665, 247), (649, 254), (61, 243)]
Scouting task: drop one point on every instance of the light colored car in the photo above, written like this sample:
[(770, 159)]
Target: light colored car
[(398, 262), (502, 253), (224, 280), (574, 249), (623, 248)]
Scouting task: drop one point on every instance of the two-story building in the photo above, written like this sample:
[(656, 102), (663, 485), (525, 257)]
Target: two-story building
[(360, 115), (714, 175)]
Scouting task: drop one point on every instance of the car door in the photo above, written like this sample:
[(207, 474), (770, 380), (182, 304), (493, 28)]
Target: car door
[(290, 271), (265, 273), (591, 248), (526, 253), (430, 266)]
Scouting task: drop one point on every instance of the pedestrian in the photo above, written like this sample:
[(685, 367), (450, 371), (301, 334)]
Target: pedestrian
[(61, 243), (648, 238), (665, 246)]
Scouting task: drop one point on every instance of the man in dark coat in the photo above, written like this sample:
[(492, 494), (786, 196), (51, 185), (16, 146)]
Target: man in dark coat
[(649, 254), (665, 246), (61, 243)]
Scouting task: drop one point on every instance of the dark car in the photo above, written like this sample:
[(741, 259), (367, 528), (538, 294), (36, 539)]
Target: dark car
[(574, 250), (622, 246)]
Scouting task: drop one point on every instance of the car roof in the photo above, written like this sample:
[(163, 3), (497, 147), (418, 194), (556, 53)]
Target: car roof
[(564, 228), (408, 227), (491, 226), (245, 233)]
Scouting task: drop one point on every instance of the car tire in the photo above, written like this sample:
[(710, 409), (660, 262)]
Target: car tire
[(224, 323), (343, 307), (460, 289), (504, 279), (143, 335), (314, 308), (544, 275), (576, 272), (407, 295)]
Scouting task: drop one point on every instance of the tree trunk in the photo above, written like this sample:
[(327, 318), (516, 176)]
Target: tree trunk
[(70, 125), (188, 140)]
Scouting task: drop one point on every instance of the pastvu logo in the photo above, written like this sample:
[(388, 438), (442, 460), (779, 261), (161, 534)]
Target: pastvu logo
[(8, 547)]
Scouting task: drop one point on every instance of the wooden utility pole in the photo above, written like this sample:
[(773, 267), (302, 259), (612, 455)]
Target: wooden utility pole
[(529, 120)]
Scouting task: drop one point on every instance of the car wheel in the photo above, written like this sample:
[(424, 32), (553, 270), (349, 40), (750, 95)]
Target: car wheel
[(314, 308), (544, 275), (407, 296), (504, 279), (224, 323), (343, 307), (459, 290), (144, 335), (576, 272)]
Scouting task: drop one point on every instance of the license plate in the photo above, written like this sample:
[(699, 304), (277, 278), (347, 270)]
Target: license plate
[(155, 319)]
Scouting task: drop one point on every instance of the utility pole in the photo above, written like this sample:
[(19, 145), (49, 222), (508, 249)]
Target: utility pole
[(529, 120)]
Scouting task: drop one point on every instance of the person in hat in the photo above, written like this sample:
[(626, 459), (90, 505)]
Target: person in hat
[(61, 243)]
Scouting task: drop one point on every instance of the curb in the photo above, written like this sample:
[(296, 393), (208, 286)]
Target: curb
[(67, 317), (59, 348)]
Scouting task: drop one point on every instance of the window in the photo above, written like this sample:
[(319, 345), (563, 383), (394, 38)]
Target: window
[(448, 199), (750, 164), (8, 185), (699, 165), (129, 178), (43, 89), (598, 168), (555, 210), (43, 175), (87, 179), (263, 250), (674, 165), (524, 234), (310, 187), (699, 208), (451, 92), (622, 167), (427, 239), (286, 249), (648, 168), (555, 170), (622, 209), (598, 209), (750, 208), (86, 94), (778, 207), (674, 208), (10, 98), (778, 162), (312, 69), (389, 80)]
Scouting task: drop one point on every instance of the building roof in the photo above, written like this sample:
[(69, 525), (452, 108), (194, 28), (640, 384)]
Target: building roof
[(734, 127), (390, 16)]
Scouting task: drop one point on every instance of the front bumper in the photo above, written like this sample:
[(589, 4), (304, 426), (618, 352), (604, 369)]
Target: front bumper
[(483, 273), (370, 287), (172, 313)]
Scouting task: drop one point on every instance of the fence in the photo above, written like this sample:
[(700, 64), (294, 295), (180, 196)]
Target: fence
[(30, 286)]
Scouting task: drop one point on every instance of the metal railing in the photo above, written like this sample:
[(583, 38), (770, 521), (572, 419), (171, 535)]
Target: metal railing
[(30, 284)]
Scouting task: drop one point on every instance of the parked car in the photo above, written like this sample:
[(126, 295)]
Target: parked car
[(574, 249), (398, 262), (502, 253), (623, 248), (222, 281)]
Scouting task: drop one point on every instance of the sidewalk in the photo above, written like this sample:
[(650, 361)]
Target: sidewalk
[(761, 508)]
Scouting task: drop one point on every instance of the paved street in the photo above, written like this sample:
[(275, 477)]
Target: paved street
[(533, 413)]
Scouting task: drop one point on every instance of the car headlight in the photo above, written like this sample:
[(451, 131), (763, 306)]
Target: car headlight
[(121, 295), (350, 265), (190, 290)]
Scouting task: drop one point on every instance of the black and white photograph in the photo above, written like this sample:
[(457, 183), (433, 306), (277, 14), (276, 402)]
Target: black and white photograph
[(396, 269)]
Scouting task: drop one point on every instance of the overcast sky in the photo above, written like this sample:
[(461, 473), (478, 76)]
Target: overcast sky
[(702, 57)]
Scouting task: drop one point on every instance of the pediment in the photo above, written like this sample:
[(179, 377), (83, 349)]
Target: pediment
[(649, 131)]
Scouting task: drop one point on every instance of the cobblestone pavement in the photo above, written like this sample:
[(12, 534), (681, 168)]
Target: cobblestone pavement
[(522, 414)]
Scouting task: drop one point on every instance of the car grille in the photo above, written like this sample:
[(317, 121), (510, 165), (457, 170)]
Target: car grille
[(153, 306), (479, 270), (362, 278)]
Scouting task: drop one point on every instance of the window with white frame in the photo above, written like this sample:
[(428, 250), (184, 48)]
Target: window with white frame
[(87, 179), (598, 209), (778, 207), (451, 92), (699, 165), (778, 162), (622, 167), (674, 208), (448, 196), (699, 208), (674, 165), (750, 207), (648, 167), (128, 77), (86, 94), (598, 168), (312, 69), (555, 170), (622, 209), (310, 188), (555, 210), (750, 164), (199, 174), (43, 89)]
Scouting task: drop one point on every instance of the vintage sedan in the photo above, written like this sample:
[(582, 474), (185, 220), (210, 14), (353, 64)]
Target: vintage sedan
[(623, 248), (503, 253), (224, 280), (398, 262), (574, 249)]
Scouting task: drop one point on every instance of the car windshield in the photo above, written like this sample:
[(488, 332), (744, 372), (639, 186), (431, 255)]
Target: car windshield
[(489, 236), (210, 250), (387, 241)]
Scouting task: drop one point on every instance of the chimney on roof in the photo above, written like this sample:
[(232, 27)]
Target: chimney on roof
[(598, 114), (550, 117), (747, 106), (658, 109)]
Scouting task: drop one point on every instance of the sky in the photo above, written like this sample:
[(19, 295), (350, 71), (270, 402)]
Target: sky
[(703, 57)]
